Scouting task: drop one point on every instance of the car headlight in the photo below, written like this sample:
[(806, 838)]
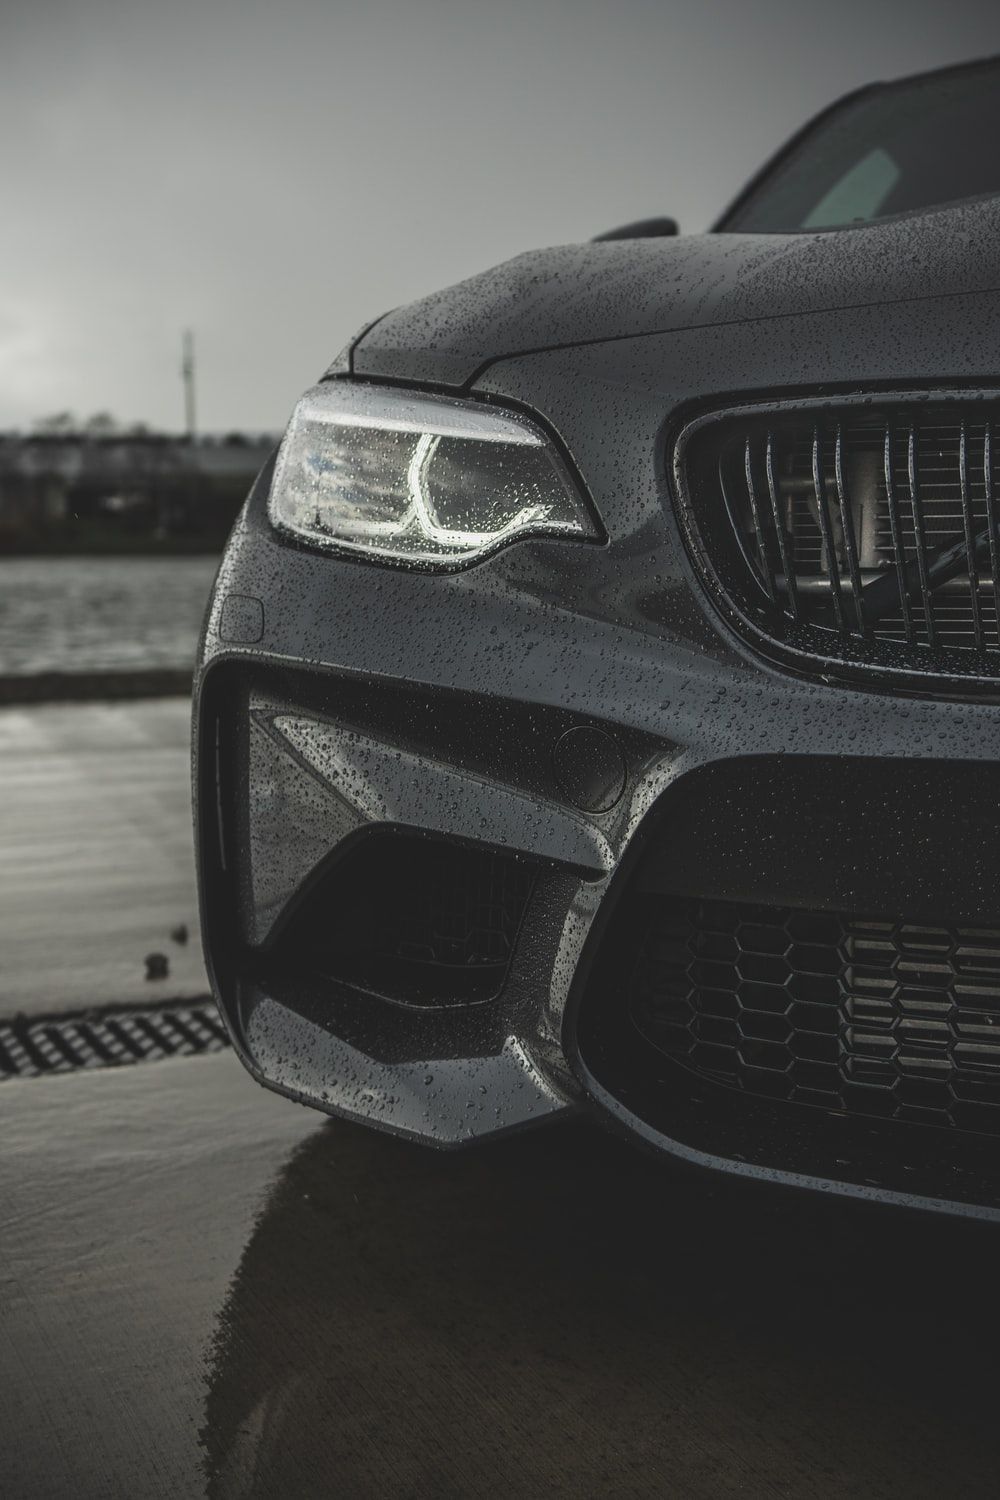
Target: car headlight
[(417, 479)]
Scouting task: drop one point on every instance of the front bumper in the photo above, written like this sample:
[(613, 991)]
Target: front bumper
[(375, 698), (300, 761)]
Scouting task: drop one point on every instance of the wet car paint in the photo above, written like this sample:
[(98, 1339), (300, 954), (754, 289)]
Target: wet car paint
[(206, 1292), (575, 295), (339, 707), (543, 636)]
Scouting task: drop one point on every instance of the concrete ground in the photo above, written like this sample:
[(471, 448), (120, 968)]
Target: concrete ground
[(208, 1291), (205, 1290), (96, 863)]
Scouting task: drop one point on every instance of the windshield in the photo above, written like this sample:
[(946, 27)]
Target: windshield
[(908, 146)]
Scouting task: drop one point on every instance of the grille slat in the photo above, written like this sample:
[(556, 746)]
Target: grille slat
[(896, 533), (992, 517), (918, 532), (826, 530), (847, 523), (779, 530), (845, 530), (969, 530), (758, 525)]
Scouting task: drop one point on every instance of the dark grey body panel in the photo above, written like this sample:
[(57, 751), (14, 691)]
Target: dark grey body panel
[(550, 633), (577, 294)]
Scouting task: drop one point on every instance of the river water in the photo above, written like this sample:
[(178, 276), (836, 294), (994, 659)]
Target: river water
[(79, 614)]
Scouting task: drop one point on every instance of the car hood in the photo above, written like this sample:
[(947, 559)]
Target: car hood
[(577, 294)]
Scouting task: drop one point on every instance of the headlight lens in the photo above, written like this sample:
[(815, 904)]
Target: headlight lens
[(416, 478)]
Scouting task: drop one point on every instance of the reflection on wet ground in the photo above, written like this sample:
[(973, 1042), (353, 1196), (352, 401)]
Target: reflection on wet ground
[(96, 859), (209, 1290)]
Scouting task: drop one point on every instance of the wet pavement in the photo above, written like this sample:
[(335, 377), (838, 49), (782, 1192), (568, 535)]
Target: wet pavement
[(96, 860), (207, 1290)]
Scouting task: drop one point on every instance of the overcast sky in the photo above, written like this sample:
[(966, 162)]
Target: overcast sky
[(274, 175)]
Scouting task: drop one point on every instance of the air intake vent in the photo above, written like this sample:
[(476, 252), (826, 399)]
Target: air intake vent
[(419, 921), (859, 532), (877, 1017)]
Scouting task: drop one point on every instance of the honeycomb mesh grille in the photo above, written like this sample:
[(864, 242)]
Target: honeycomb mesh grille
[(885, 1018)]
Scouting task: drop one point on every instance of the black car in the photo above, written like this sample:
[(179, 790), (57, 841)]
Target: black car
[(599, 700)]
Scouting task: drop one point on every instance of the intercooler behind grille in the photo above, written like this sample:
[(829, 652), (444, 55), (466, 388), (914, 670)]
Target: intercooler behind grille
[(870, 1016), (864, 532)]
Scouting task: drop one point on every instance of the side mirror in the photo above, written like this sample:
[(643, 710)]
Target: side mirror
[(642, 229)]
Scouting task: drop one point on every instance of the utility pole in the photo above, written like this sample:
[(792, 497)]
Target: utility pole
[(187, 374)]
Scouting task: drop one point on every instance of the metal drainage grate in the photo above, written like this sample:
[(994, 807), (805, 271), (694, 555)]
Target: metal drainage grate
[(31, 1047)]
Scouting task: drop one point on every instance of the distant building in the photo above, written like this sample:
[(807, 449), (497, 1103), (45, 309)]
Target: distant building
[(110, 491)]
